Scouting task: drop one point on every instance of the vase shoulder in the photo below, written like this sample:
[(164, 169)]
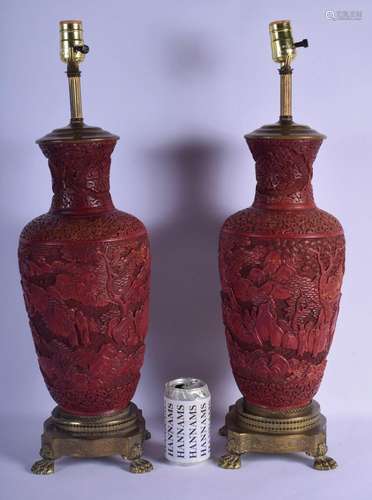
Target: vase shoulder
[(113, 225), (312, 222)]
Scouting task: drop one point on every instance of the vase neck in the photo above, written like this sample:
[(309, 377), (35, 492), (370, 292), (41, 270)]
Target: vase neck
[(80, 176), (284, 170)]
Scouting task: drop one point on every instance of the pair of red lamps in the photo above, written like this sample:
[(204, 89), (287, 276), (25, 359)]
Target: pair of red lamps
[(85, 270)]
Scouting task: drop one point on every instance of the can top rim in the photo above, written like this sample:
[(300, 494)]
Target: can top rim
[(186, 387)]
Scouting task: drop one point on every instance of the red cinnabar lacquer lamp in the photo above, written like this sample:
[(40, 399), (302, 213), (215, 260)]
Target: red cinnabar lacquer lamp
[(281, 266), (85, 270)]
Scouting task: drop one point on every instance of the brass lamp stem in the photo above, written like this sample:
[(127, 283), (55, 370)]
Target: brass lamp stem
[(285, 93), (73, 74)]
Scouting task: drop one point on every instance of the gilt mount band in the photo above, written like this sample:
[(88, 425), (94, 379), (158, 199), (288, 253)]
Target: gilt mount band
[(254, 418), (122, 421)]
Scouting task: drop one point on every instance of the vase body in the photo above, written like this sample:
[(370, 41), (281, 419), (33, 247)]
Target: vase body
[(281, 266), (85, 269)]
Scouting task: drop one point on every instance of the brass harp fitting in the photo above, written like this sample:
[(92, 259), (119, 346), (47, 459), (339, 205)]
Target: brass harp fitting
[(283, 50), (72, 53)]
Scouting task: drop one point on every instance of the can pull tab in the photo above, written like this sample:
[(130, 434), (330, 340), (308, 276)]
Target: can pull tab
[(190, 384)]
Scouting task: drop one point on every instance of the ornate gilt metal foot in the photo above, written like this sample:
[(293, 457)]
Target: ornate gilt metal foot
[(43, 466), (325, 463), (322, 461), (230, 461), (222, 431), (46, 464), (140, 466)]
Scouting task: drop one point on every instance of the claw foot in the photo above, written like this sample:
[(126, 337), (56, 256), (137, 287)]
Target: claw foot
[(324, 463), (43, 466), (230, 461), (321, 461), (140, 465), (222, 431)]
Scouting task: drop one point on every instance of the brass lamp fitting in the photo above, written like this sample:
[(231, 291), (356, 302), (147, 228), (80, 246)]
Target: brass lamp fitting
[(283, 50), (72, 53)]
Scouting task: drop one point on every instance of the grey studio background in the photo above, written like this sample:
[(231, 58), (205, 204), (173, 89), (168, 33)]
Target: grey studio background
[(181, 81)]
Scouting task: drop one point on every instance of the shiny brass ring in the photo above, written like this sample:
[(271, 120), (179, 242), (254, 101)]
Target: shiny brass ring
[(255, 419), (123, 421)]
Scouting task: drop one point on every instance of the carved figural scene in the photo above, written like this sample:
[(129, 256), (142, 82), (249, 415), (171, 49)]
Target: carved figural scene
[(281, 266), (85, 269)]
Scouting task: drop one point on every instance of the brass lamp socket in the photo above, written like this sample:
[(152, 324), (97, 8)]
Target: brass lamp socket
[(72, 47), (282, 45)]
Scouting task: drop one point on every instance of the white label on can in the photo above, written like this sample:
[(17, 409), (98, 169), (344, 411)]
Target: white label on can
[(187, 430)]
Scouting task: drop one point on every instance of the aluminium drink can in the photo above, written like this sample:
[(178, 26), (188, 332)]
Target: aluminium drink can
[(187, 406)]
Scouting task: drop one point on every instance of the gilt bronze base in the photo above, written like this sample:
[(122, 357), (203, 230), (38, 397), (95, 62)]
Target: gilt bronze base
[(255, 429), (91, 437)]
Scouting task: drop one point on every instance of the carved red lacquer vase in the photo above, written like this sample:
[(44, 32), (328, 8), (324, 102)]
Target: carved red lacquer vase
[(85, 270), (281, 265), (85, 275)]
